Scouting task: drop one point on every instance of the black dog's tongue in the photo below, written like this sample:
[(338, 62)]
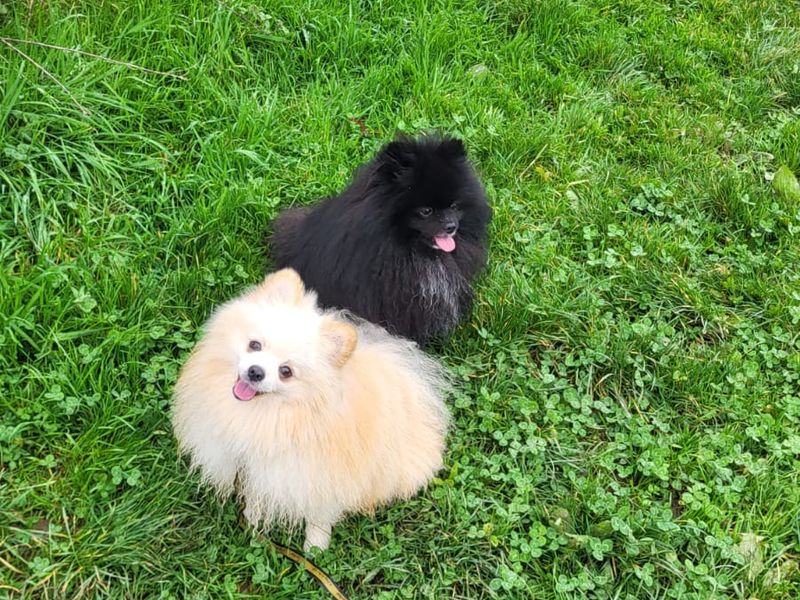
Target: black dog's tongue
[(243, 391), (446, 243)]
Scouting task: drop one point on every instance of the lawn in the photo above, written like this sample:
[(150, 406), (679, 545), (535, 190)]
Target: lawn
[(627, 420)]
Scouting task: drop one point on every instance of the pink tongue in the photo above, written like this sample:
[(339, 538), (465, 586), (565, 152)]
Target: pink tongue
[(243, 391), (445, 242)]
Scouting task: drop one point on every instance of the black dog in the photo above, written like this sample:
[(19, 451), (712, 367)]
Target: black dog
[(401, 245)]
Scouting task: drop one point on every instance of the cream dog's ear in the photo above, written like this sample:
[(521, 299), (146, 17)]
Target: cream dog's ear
[(282, 286), (339, 339)]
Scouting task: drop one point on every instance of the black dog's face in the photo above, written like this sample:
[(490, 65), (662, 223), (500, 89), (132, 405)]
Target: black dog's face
[(434, 191), (435, 226)]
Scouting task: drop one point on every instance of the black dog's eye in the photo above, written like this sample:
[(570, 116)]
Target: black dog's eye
[(255, 346), (285, 372), (425, 212)]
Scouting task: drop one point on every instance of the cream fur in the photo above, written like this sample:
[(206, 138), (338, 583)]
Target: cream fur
[(362, 421)]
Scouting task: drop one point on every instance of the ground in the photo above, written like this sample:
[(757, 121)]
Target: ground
[(627, 423)]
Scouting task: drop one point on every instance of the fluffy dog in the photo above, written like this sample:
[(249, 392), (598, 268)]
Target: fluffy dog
[(401, 245), (316, 414)]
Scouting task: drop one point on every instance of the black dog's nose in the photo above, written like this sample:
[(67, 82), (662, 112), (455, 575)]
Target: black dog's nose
[(255, 373), (450, 228)]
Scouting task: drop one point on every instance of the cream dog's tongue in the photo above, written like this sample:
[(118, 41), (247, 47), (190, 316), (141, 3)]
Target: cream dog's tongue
[(243, 391), (447, 243)]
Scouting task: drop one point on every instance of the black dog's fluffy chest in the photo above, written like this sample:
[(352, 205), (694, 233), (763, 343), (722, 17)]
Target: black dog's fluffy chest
[(442, 291)]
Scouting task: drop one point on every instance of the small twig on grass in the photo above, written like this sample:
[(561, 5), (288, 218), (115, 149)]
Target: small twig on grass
[(361, 125), (82, 108), (9, 41)]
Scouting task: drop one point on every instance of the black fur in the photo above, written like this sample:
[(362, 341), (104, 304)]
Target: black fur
[(371, 249)]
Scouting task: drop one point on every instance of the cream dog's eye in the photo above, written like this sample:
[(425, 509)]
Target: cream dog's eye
[(255, 346), (285, 372)]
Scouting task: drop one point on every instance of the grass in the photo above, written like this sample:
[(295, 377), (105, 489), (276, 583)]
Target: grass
[(628, 420)]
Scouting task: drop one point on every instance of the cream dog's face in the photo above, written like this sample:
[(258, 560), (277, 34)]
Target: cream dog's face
[(277, 342)]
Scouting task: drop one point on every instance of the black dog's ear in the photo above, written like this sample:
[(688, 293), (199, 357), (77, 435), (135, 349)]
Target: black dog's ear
[(453, 148), (396, 158)]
